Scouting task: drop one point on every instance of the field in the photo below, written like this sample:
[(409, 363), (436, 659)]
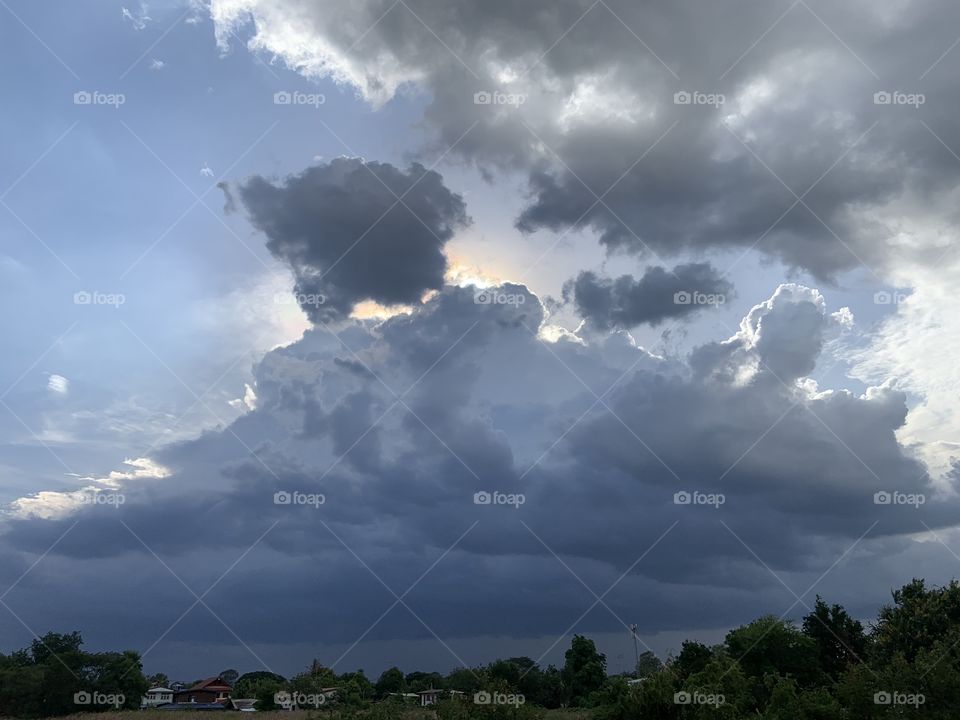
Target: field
[(408, 714)]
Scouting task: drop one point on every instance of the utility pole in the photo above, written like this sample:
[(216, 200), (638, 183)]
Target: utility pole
[(636, 649)]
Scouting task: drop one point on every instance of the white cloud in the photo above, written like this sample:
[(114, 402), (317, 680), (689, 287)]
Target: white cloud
[(138, 19), (54, 505), (58, 384)]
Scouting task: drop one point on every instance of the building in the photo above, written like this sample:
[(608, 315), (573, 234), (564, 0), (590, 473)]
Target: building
[(429, 697), (156, 697), (205, 692)]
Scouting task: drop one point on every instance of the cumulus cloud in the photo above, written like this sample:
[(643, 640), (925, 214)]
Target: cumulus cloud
[(658, 295), (688, 128), (353, 230), (58, 384), (399, 424)]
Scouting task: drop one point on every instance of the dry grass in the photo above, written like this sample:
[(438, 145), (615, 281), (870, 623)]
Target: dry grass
[(410, 713), (184, 715)]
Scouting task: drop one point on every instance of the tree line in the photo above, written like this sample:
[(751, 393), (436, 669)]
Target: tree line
[(827, 667)]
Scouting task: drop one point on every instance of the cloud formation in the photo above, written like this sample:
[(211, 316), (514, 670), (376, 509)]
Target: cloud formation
[(658, 295), (689, 128), (353, 230), (398, 425)]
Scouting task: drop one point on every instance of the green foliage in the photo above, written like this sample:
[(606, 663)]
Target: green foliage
[(466, 680), (648, 664), (721, 690), (584, 670), (254, 684), (159, 680), (840, 639), (417, 681), (45, 679), (390, 681), (354, 689), (918, 618), (693, 658), (770, 646)]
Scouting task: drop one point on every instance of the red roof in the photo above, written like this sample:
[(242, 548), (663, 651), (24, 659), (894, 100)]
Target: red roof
[(214, 683)]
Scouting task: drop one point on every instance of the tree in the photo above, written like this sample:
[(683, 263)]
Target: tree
[(648, 664), (159, 680), (916, 620), (551, 693), (355, 689), (418, 680), (840, 639), (45, 679), (466, 680), (692, 659), (584, 670), (259, 684), (719, 691), (770, 645), (390, 681), (229, 676)]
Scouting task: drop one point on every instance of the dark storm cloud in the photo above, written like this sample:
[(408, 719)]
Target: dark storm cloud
[(353, 230), (488, 405), (658, 295), (781, 147)]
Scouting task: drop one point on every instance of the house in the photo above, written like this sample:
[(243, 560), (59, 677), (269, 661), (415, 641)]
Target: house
[(429, 697), (156, 697), (205, 692)]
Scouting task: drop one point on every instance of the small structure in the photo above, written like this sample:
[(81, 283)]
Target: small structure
[(157, 696), (211, 690), (429, 697)]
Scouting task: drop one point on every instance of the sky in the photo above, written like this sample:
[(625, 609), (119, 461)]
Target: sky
[(402, 333)]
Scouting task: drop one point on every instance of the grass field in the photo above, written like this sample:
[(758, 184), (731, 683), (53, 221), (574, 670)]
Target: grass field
[(409, 714)]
